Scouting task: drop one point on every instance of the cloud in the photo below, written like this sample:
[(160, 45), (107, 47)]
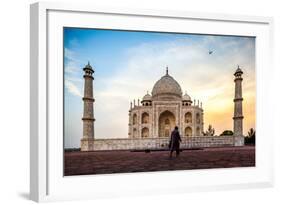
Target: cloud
[(73, 65), (73, 73), (208, 78), (74, 42), (73, 89), (69, 54)]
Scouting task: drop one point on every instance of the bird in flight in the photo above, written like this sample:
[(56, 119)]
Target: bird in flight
[(210, 52)]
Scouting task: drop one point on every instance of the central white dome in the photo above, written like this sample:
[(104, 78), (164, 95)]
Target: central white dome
[(167, 85)]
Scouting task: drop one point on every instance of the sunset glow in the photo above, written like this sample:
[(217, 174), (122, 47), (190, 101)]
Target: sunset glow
[(128, 64)]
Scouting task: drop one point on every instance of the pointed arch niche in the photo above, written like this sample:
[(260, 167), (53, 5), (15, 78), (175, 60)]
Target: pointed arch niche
[(145, 118), (145, 132), (188, 131)]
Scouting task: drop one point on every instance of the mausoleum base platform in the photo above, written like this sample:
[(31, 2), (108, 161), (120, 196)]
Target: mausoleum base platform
[(91, 144)]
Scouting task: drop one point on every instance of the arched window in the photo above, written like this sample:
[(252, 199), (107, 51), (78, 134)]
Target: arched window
[(188, 117), (197, 118), (145, 132), (198, 131), (188, 132), (144, 118), (134, 119)]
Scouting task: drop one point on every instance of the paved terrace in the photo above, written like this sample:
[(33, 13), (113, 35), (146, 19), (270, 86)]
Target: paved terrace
[(107, 162)]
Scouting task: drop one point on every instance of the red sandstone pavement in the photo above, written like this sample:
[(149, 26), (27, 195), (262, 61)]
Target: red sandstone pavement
[(106, 162)]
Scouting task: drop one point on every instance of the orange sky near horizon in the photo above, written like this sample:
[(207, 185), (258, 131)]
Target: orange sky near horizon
[(219, 111)]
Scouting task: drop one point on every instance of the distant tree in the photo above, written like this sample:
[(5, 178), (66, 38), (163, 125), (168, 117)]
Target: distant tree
[(227, 132), (251, 133), (251, 138), (210, 131)]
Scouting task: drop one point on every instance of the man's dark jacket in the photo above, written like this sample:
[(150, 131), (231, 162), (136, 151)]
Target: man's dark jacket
[(175, 140)]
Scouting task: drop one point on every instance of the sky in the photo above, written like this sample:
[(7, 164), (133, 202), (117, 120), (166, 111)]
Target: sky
[(128, 63)]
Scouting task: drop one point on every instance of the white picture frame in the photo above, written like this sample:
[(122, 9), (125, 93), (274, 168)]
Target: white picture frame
[(47, 182)]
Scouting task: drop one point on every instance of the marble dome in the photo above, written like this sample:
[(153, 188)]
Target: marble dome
[(166, 85), (147, 97), (186, 97)]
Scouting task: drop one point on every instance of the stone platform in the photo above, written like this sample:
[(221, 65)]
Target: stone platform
[(107, 162), (91, 144)]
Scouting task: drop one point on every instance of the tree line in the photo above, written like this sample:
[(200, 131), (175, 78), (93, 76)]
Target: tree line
[(250, 139)]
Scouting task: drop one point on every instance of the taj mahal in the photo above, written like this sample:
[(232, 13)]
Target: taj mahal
[(167, 107), (152, 119)]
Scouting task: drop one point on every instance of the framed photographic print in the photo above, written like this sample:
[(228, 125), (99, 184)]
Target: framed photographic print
[(127, 102)]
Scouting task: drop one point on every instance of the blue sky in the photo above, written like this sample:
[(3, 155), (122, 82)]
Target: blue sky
[(127, 64)]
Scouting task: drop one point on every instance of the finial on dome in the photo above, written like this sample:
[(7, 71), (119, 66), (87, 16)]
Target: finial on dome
[(167, 70)]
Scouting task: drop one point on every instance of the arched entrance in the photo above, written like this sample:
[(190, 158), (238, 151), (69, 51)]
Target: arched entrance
[(166, 124)]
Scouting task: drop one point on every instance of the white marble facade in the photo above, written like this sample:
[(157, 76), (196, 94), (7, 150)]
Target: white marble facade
[(152, 119), (157, 114)]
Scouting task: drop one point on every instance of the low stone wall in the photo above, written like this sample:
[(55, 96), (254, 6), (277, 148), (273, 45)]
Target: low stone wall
[(154, 143)]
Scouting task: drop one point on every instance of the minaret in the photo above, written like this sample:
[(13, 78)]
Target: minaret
[(88, 115), (238, 112)]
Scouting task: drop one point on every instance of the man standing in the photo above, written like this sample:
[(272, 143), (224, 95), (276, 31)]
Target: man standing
[(175, 142)]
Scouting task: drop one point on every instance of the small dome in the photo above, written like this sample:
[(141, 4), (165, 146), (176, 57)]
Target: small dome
[(88, 66), (147, 97), (186, 97), (238, 71), (166, 85)]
